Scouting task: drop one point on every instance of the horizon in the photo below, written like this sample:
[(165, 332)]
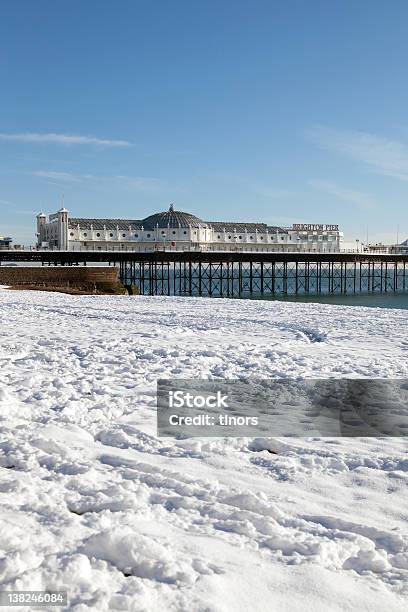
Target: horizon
[(273, 114)]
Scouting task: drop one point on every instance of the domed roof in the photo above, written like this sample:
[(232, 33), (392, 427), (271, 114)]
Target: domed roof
[(172, 218)]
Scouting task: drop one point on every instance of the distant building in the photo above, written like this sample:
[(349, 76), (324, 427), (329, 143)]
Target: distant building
[(404, 246), (393, 249), (401, 248), (379, 247), (5, 242), (180, 230)]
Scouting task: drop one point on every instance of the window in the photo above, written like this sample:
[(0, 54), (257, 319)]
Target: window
[(123, 235), (218, 237), (111, 235), (240, 237), (229, 237), (251, 237), (72, 233), (185, 232), (136, 235), (174, 232), (85, 234), (98, 234), (261, 237), (147, 235)]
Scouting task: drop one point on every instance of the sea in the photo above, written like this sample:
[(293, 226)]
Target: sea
[(370, 300)]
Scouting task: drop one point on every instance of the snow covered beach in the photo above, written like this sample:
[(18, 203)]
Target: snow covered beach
[(92, 502)]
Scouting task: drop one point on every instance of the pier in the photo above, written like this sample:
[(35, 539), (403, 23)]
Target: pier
[(237, 274)]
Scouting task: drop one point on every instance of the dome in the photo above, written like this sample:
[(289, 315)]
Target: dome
[(172, 218)]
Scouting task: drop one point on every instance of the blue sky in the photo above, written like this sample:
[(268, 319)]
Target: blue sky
[(269, 111)]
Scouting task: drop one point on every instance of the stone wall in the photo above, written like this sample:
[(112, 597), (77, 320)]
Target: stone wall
[(75, 278)]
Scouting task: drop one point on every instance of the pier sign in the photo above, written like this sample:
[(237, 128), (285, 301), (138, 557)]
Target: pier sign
[(315, 227)]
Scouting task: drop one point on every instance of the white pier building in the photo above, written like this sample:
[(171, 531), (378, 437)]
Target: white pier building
[(173, 229)]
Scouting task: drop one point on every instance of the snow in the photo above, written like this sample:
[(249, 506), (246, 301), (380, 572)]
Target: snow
[(93, 502)]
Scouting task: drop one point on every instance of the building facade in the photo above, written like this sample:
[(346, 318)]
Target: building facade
[(173, 229), (5, 242)]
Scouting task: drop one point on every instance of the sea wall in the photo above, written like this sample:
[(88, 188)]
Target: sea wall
[(73, 279)]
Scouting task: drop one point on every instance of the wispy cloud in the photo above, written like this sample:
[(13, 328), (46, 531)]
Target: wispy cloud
[(144, 184), (382, 155), (19, 211), (16, 211), (359, 198), (64, 139), (66, 177)]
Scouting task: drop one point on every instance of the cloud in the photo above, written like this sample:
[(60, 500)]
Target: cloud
[(61, 176), (148, 185), (359, 198), (14, 210), (381, 155), (64, 139), (19, 211)]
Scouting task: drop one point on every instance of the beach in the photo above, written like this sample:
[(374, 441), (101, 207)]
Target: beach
[(94, 503)]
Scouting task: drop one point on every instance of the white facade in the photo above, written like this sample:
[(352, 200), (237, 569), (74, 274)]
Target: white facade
[(178, 230)]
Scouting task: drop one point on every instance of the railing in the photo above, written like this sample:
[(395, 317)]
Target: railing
[(392, 250), (181, 249)]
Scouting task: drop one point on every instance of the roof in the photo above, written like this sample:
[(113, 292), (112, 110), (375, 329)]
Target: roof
[(173, 219), (100, 224), (234, 226), (169, 218)]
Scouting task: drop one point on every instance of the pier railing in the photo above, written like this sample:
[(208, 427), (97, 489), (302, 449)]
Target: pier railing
[(202, 249)]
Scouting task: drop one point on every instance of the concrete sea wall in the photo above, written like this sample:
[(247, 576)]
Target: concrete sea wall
[(72, 279)]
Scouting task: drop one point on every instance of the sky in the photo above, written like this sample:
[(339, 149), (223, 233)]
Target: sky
[(281, 112)]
